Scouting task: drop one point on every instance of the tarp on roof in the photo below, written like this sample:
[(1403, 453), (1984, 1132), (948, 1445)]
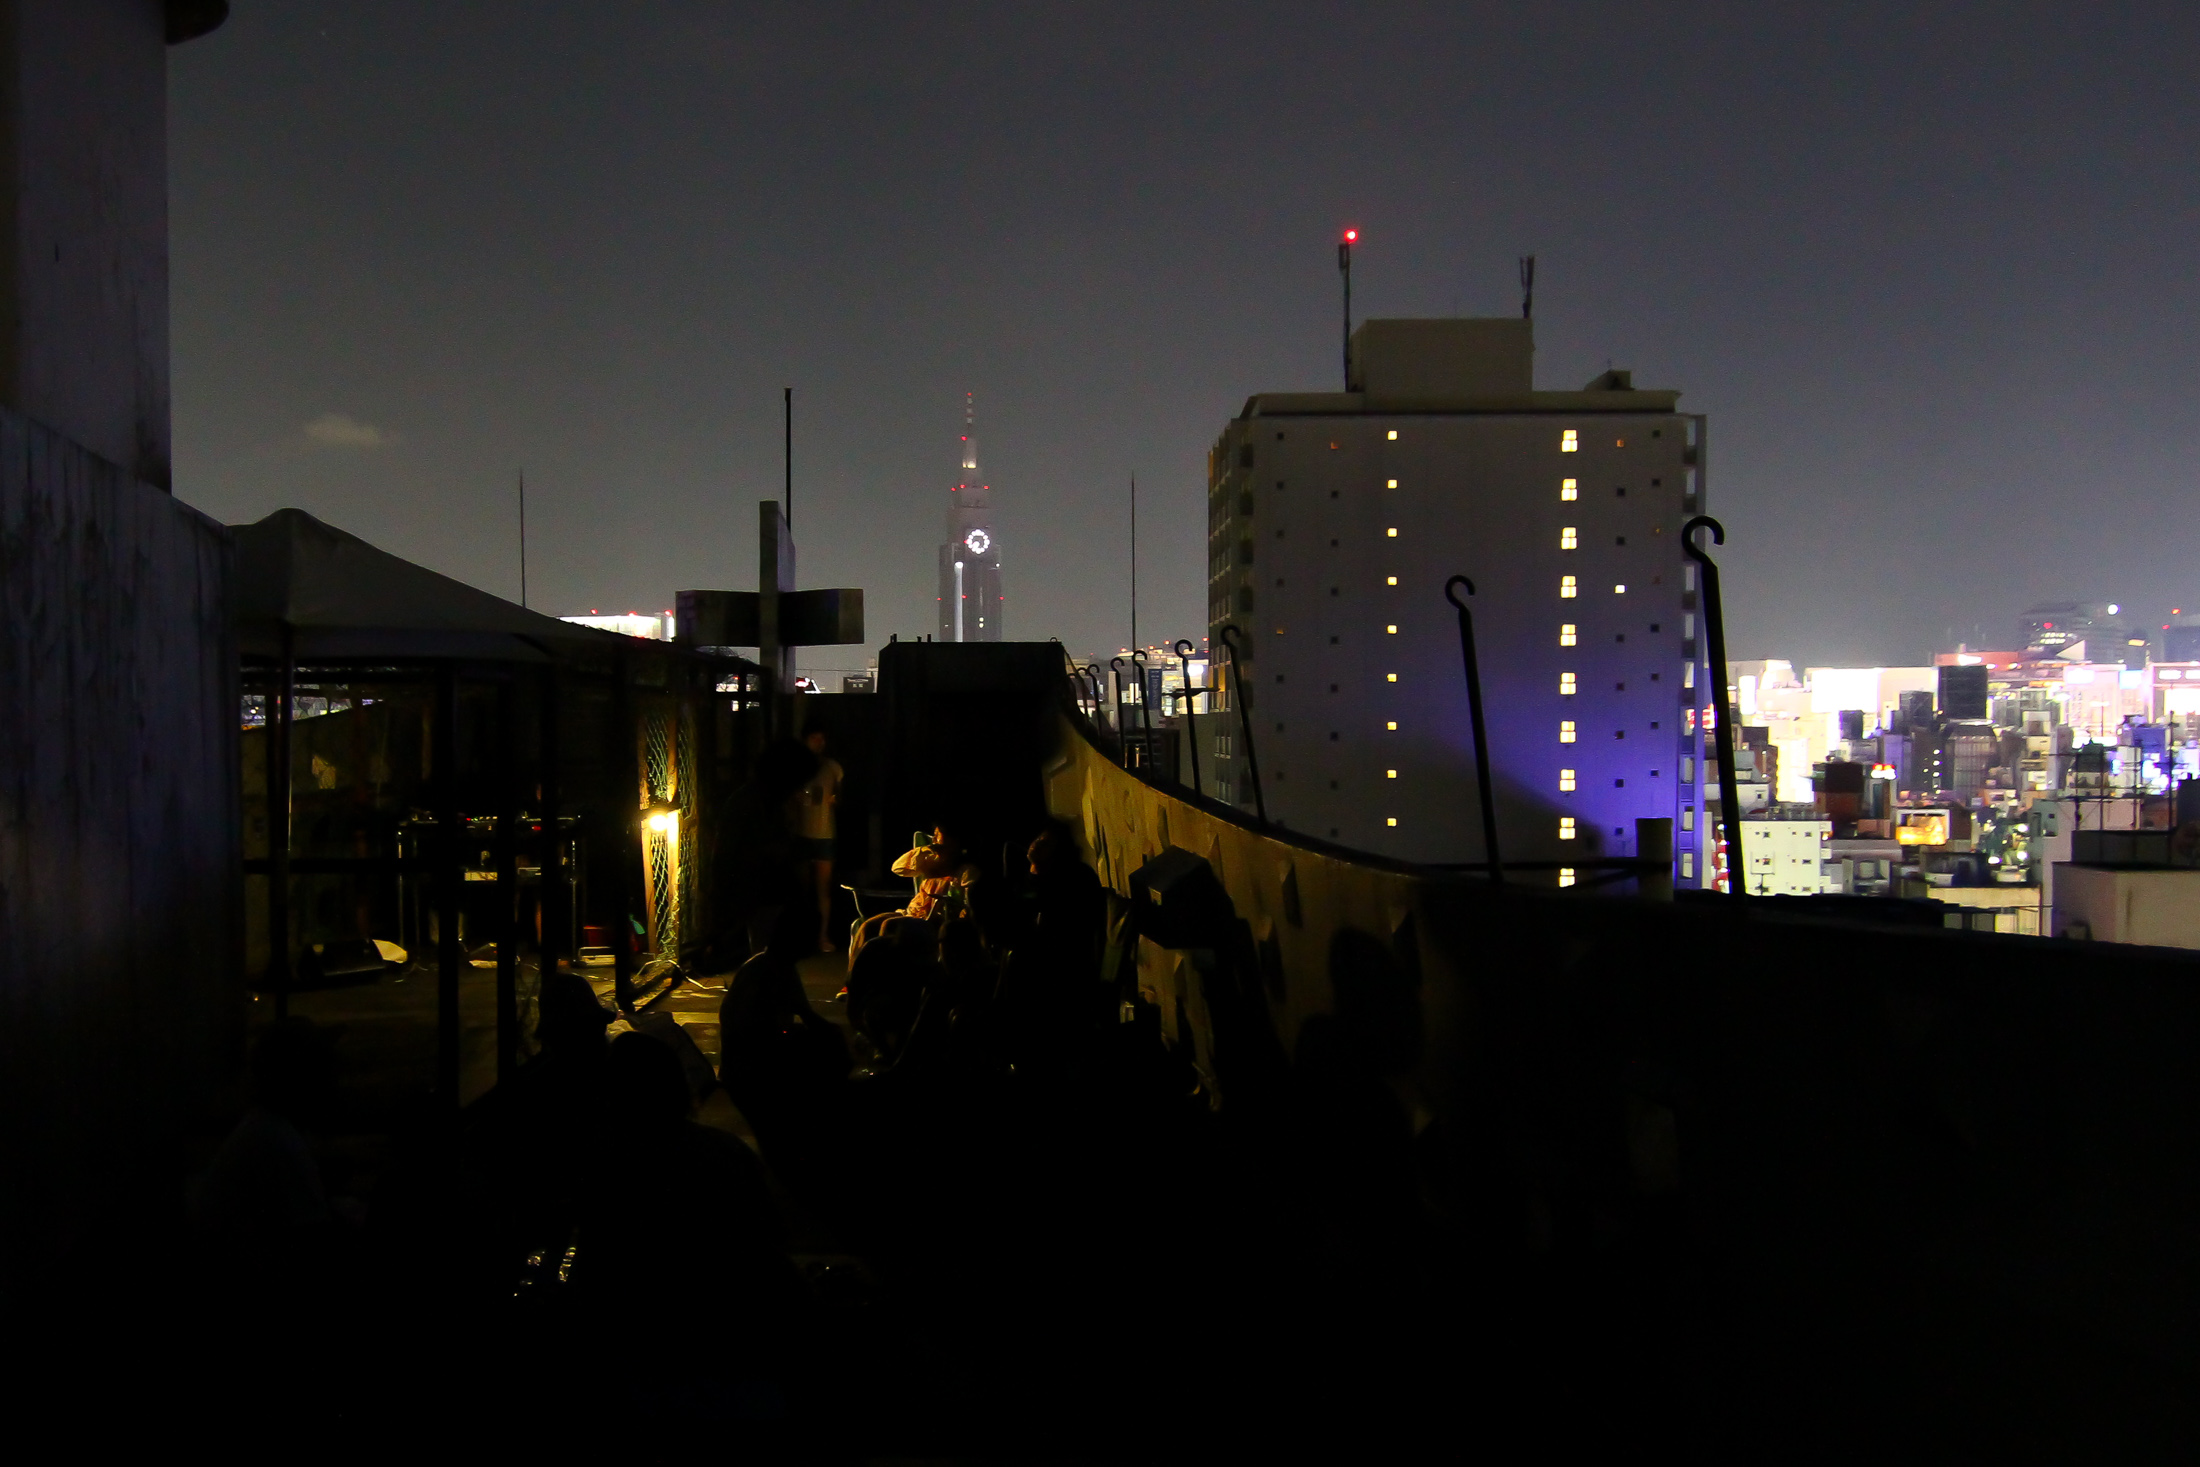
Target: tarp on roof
[(345, 599)]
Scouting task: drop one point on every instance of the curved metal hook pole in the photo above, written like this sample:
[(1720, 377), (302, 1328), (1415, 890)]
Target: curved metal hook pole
[(1714, 622), (1145, 708), (1182, 647), (1122, 745), (1245, 720), (1481, 735)]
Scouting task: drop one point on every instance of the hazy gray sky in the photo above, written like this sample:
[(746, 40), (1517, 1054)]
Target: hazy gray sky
[(1928, 268)]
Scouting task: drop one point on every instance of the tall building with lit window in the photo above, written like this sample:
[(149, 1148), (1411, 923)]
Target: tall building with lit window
[(1335, 520), (970, 560)]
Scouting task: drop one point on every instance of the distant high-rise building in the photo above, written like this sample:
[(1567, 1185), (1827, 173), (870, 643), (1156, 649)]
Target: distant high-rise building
[(1962, 692), (2052, 628), (1335, 520), (970, 561)]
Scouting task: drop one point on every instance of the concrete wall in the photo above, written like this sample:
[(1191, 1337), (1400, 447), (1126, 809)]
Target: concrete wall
[(119, 861), (84, 225), (2107, 904)]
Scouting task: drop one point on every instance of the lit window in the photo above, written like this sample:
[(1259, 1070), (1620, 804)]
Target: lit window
[(1567, 590), (1394, 432), (1688, 769), (1393, 727), (1391, 484), (1393, 820), (1688, 865), (1569, 441), (1390, 580), (1567, 539), (1392, 532), (1569, 490), (1565, 781), (1390, 677), (1688, 817), (1390, 774), (1619, 590), (1565, 827), (1565, 876), (1566, 731), (1566, 634), (1566, 684), (1391, 628)]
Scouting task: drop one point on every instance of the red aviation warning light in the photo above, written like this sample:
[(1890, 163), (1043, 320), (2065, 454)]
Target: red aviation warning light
[(1352, 236)]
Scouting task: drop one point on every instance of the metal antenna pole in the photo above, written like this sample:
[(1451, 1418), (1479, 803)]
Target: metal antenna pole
[(522, 537), (1714, 621), (1134, 562), (1474, 714), (1238, 692), (1344, 268), (789, 434), (1527, 287)]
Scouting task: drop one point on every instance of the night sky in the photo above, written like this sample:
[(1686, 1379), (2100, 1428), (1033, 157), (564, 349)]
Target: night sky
[(1929, 269)]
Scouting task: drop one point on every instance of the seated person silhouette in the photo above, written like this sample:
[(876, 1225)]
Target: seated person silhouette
[(943, 877)]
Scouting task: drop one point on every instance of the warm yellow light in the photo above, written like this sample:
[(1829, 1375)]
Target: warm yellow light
[(1566, 684), (1393, 820), (1566, 827), (1391, 676), (1390, 580), (1567, 589), (1392, 484), (1566, 781), (1394, 432), (1566, 730), (1568, 539), (1619, 590), (1393, 727), (1391, 628), (1390, 774), (1565, 876), (1392, 532), (1566, 637), (662, 821), (1569, 441), (1923, 830), (1569, 490)]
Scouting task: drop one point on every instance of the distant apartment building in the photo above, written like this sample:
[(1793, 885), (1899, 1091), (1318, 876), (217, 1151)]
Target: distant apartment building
[(1335, 520), (1787, 851)]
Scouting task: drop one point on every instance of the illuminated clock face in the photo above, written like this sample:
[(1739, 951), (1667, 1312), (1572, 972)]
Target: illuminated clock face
[(978, 541)]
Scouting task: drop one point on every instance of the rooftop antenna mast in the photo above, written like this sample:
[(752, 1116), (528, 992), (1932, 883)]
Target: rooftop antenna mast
[(789, 455), (1527, 287), (1344, 268), (1134, 562), (523, 537)]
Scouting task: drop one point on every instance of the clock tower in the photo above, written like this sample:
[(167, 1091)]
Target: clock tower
[(970, 561)]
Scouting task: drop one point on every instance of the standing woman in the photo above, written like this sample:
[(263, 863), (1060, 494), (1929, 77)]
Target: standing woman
[(819, 797)]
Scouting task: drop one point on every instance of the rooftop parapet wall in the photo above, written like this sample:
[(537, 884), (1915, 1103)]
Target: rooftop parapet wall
[(1842, 1132)]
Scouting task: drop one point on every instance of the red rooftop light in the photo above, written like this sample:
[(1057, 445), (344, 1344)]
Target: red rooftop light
[(1351, 236)]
